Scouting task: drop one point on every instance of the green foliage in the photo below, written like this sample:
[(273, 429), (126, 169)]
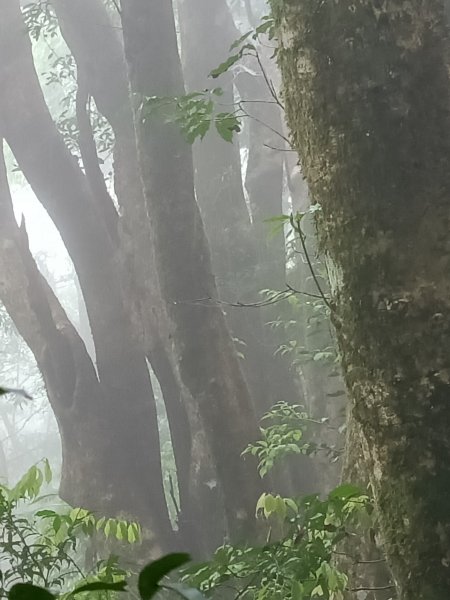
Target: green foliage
[(298, 565), (150, 577), (197, 112), (194, 113), (282, 437), (60, 74), (244, 46), (150, 582), (40, 546), (285, 435)]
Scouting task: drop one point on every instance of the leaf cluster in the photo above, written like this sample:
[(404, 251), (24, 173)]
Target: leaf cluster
[(297, 566), (39, 545), (194, 113)]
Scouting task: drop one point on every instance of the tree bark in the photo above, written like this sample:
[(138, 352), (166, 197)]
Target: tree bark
[(242, 270), (207, 31), (374, 147), (207, 362), (191, 451), (98, 52), (57, 181), (108, 465)]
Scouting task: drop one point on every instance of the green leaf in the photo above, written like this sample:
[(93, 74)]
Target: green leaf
[(291, 504), (239, 41), (227, 64), (297, 591), (260, 503), (265, 27), (344, 491), (47, 471), (226, 125), (27, 591), (46, 513), (151, 575), (96, 586)]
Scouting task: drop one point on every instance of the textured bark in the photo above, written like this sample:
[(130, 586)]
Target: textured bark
[(95, 428), (208, 365), (374, 147), (98, 51), (240, 264), (58, 182), (207, 31)]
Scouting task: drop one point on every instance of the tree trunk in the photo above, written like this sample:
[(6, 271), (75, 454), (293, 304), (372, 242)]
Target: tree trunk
[(374, 147), (98, 52), (58, 182), (207, 362), (207, 31), (110, 462)]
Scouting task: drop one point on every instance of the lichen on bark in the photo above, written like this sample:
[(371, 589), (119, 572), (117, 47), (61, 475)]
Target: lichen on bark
[(366, 91)]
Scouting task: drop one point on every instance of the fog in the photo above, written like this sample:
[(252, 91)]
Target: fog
[(209, 323)]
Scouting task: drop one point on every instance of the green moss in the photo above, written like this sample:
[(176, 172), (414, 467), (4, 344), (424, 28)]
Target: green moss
[(374, 149)]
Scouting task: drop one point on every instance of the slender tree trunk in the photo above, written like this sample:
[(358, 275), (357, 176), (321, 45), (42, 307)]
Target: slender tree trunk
[(208, 365), (374, 146), (207, 31)]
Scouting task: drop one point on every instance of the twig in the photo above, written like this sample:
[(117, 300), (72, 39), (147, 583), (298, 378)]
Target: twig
[(356, 561), (246, 114), (277, 297), (278, 149), (372, 589), (308, 260), (269, 82)]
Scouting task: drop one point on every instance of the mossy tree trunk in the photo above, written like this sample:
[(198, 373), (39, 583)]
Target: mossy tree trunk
[(367, 95)]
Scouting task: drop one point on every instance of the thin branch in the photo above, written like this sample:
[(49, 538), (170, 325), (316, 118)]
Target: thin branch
[(308, 260), (356, 561), (269, 82), (258, 102), (277, 297), (246, 114), (372, 589), (279, 149), (247, 586)]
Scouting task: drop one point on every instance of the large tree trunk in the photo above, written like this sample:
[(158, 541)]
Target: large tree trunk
[(374, 146), (109, 464), (208, 365), (57, 181), (98, 52)]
